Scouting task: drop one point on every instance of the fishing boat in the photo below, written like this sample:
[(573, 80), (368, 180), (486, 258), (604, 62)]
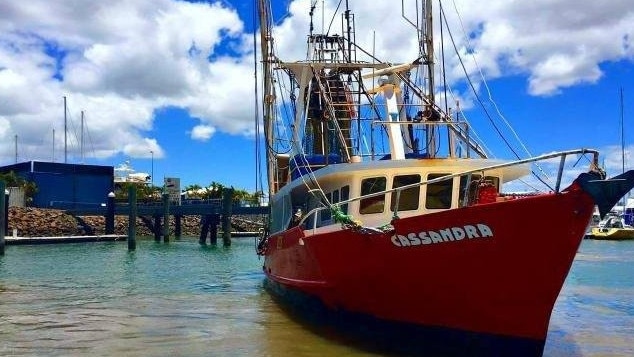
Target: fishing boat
[(389, 217)]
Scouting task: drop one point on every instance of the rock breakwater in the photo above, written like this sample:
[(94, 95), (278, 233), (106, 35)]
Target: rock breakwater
[(41, 222)]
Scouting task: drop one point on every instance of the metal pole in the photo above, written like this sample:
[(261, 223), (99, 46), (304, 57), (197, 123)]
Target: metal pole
[(65, 134), (152, 172), (6, 211), (81, 139)]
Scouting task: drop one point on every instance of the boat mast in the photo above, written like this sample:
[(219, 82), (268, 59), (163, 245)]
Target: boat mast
[(625, 199), (266, 46), (81, 140), (65, 134), (428, 57), (348, 31), (622, 135)]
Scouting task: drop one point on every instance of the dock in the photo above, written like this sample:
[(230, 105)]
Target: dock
[(11, 240)]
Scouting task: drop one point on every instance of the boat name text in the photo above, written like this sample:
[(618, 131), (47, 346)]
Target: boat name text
[(442, 235)]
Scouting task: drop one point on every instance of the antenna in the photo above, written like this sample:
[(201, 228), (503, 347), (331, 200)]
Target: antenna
[(311, 13)]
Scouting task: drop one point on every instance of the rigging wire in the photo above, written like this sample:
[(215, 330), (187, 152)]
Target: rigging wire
[(486, 86), (475, 92), (490, 95), (90, 141), (332, 18)]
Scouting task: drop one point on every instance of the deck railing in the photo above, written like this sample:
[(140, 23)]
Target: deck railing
[(561, 154)]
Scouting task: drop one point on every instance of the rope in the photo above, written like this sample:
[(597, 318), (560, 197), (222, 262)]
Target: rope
[(348, 221)]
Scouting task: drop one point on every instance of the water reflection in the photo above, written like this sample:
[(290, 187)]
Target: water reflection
[(184, 299)]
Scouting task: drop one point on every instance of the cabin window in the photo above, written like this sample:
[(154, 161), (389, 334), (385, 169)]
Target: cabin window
[(325, 213), (494, 180), (409, 198), (468, 189), (439, 193), (372, 204), (472, 189), (312, 203), (335, 196), (345, 195)]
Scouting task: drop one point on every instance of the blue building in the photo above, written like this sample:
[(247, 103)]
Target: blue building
[(65, 186)]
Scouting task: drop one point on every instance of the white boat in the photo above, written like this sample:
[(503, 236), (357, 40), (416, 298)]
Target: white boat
[(612, 227), (125, 173)]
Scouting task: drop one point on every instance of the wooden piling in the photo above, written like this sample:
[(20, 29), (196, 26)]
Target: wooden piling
[(3, 220), (227, 203), (209, 227), (204, 229), (178, 229), (132, 218), (213, 230), (110, 214), (6, 211), (166, 218), (156, 229)]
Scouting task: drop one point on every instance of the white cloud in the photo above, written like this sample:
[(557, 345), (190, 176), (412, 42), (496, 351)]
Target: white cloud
[(121, 62), (125, 59), (202, 132)]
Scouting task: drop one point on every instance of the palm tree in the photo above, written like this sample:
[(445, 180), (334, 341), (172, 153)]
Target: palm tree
[(214, 190), (193, 191)]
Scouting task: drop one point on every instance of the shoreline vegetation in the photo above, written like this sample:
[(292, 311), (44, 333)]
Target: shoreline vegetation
[(42, 222)]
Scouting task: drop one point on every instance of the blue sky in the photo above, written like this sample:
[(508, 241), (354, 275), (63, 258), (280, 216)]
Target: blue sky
[(176, 78)]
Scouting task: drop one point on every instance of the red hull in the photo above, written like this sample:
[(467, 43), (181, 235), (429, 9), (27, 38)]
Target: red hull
[(504, 280)]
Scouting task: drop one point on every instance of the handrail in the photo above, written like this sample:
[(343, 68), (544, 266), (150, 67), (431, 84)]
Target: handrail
[(561, 154)]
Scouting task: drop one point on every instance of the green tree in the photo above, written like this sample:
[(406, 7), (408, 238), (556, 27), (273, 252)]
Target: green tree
[(144, 193), (214, 191), (193, 191), (11, 179)]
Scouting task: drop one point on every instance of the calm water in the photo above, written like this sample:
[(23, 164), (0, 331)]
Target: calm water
[(181, 299)]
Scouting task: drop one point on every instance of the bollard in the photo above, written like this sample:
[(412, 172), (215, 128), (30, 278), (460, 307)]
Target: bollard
[(110, 214), (227, 203), (132, 218), (166, 218), (178, 230), (3, 210)]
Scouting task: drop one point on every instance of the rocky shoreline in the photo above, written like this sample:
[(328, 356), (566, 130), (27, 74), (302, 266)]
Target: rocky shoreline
[(40, 222)]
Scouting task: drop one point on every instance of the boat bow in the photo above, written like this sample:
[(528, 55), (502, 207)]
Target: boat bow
[(606, 192)]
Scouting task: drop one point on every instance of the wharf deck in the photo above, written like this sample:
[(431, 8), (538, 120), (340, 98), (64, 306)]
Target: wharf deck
[(11, 240)]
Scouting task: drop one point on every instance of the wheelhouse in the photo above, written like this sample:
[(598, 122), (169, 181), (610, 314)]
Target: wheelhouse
[(393, 188)]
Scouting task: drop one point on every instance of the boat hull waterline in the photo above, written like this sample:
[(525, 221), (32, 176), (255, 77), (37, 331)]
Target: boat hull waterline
[(471, 269)]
